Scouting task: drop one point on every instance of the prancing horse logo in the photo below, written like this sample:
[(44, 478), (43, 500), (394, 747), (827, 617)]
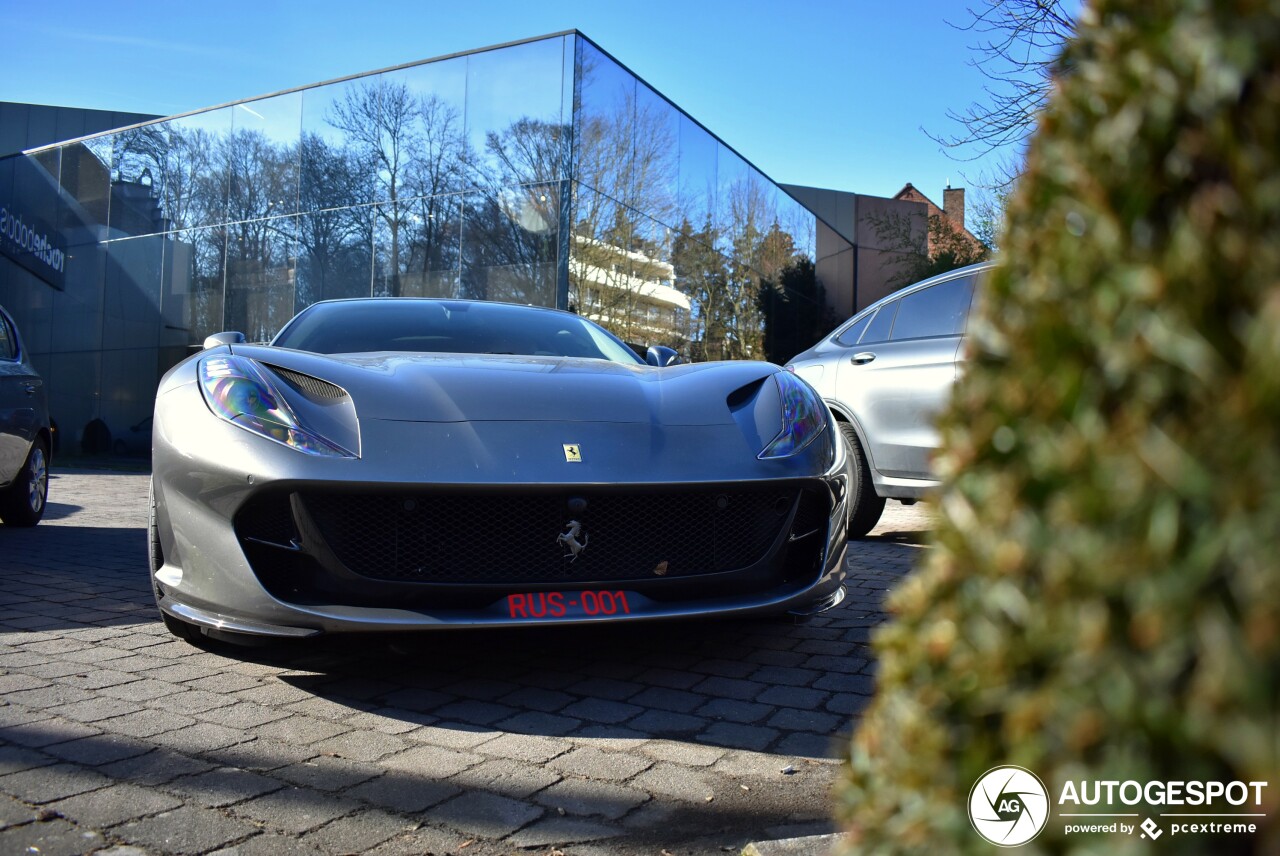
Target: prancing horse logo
[(569, 539)]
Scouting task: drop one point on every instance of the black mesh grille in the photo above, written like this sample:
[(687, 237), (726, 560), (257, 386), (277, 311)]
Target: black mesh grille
[(267, 517), (812, 515), (313, 386), (505, 539)]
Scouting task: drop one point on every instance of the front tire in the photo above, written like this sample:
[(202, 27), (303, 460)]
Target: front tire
[(865, 506), (23, 502)]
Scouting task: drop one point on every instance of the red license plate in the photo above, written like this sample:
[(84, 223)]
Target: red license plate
[(567, 604)]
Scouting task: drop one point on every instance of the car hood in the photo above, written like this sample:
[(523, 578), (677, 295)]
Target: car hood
[(485, 388)]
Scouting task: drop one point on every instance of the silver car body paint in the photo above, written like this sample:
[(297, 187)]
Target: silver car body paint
[(475, 427)]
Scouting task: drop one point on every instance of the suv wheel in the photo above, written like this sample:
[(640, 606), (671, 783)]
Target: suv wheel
[(23, 502), (865, 506)]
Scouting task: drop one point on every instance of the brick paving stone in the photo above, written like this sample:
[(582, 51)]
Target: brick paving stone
[(735, 711), (201, 737), (115, 804), (52, 838), (142, 690), (606, 689), (662, 723), (155, 768), (390, 720), (99, 749), (261, 754), (361, 745), (524, 747), (671, 780), (675, 700), (536, 698), (269, 844), (190, 702), (429, 840), (810, 745), (276, 693), (791, 719), (243, 715), (16, 758), (186, 830), (506, 777), (436, 762), (223, 786), (559, 831), (737, 735), (587, 797), (295, 810), (147, 723), (478, 712), (404, 792), (486, 815), (594, 764), (14, 812), (357, 833), (861, 684), (54, 782), (328, 774), (618, 738), (302, 730), (537, 722), (683, 753), (456, 735), (787, 676), (602, 710), (793, 697)]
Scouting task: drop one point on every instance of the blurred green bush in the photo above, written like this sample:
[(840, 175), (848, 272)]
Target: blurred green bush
[(1103, 597)]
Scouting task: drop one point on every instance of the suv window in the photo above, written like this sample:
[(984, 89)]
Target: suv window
[(939, 310), (878, 330), (849, 335)]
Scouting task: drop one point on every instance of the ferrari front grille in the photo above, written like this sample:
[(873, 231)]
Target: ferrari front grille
[(521, 539)]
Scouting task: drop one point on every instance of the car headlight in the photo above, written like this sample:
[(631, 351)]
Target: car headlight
[(238, 391), (803, 417)]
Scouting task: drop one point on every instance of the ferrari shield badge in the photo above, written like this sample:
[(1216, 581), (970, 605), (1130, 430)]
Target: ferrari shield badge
[(572, 453)]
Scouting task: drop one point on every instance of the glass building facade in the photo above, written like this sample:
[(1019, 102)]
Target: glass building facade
[(537, 172)]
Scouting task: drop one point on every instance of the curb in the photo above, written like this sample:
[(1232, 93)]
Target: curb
[(809, 845)]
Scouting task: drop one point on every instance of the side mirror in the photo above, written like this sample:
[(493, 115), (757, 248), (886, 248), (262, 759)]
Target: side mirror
[(662, 357), (229, 338)]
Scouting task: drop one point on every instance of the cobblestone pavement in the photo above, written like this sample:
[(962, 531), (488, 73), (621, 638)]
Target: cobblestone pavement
[(116, 737)]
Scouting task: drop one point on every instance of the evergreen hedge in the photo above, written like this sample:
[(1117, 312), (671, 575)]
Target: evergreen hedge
[(1102, 600)]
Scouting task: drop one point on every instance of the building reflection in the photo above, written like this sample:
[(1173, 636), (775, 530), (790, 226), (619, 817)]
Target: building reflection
[(540, 172)]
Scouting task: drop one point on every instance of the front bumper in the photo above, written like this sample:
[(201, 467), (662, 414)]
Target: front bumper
[(229, 570)]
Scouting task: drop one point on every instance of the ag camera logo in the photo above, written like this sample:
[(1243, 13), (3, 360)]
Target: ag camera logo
[(1009, 806)]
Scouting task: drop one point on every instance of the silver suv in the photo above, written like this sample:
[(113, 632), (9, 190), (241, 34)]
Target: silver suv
[(886, 374)]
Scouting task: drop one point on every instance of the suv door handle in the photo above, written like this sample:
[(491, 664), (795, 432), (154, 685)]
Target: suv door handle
[(862, 359), (30, 388)]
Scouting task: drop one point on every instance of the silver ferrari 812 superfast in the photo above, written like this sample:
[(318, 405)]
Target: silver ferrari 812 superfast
[(399, 464)]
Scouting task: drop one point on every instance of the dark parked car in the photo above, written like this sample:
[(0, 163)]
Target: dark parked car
[(25, 437), (408, 464), (886, 374)]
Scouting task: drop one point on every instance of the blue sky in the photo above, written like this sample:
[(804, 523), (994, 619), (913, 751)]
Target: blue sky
[(830, 93)]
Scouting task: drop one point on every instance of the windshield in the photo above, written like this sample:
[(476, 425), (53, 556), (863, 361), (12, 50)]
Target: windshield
[(448, 327)]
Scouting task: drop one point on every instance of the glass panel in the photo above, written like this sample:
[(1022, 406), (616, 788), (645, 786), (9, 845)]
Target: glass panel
[(656, 186), (698, 152), (510, 245), (335, 249), (435, 151), (180, 164), (417, 248), (130, 309), (341, 142), (86, 178), (605, 125), (940, 310), (195, 265), (514, 113), (600, 283), (702, 275), (263, 156), (261, 276)]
